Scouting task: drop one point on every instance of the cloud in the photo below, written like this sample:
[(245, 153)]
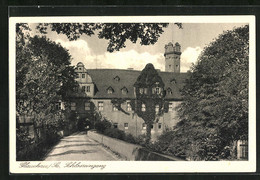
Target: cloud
[(81, 52), (189, 56)]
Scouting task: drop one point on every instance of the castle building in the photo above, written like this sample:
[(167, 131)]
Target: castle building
[(99, 87)]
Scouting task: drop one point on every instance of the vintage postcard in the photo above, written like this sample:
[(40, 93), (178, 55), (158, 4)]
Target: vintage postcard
[(141, 94)]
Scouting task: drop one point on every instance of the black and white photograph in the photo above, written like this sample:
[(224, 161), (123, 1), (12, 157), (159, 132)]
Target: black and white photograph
[(122, 94)]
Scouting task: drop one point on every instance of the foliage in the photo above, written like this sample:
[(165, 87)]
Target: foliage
[(214, 112), (43, 74), (115, 133), (116, 33), (148, 81), (130, 138), (101, 126)]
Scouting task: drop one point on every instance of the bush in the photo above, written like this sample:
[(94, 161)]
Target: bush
[(101, 126), (130, 138), (115, 133), (140, 139)]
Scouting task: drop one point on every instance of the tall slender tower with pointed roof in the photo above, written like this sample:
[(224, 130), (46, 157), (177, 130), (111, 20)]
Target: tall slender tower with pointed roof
[(172, 57)]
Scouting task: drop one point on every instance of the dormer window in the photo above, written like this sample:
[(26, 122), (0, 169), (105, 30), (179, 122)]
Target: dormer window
[(110, 90), (124, 90), (169, 91), (80, 69), (117, 79)]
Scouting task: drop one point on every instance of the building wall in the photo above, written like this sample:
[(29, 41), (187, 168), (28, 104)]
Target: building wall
[(135, 124)]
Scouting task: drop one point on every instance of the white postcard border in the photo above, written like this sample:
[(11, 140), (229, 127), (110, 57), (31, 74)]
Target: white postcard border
[(135, 166)]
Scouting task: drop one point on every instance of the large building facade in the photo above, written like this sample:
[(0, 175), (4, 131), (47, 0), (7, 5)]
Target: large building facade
[(98, 88)]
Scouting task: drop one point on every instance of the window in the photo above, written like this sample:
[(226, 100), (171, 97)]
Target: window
[(77, 76), (156, 108), (76, 89), (124, 90), (170, 66), (143, 108), (115, 125), (116, 78), (169, 91), (152, 126), (73, 106), (100, 106), (141, 90), (143, 126), (170, 106), (115, 108), (157, 90), (80, 69), (128, 106), (159, 125), (126, 125), (58, 105), (110, 90), (87, 106), (87, 88), (83, 75), (177, 65), (145, 90), (83, 88)]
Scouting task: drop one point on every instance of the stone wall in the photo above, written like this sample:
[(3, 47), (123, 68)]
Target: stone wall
[(129, 151)]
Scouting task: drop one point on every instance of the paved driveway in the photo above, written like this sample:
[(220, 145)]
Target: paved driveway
[(79, 147)]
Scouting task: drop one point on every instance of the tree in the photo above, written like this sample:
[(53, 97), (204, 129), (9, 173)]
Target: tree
[(43, 74), (214, 112), (116, 33), (149, 103)]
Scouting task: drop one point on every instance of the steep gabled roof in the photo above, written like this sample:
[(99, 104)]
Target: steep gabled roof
[(104, 78)]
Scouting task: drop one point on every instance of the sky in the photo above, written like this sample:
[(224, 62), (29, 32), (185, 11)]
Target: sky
[(92, 51)]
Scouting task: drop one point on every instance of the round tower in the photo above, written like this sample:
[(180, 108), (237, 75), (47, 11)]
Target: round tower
[(172, 57)]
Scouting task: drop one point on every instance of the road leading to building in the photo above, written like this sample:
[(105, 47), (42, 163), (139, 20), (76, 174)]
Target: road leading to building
[(79, 147)]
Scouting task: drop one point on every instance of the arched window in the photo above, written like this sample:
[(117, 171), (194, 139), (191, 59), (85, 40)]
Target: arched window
[(173, 81)]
